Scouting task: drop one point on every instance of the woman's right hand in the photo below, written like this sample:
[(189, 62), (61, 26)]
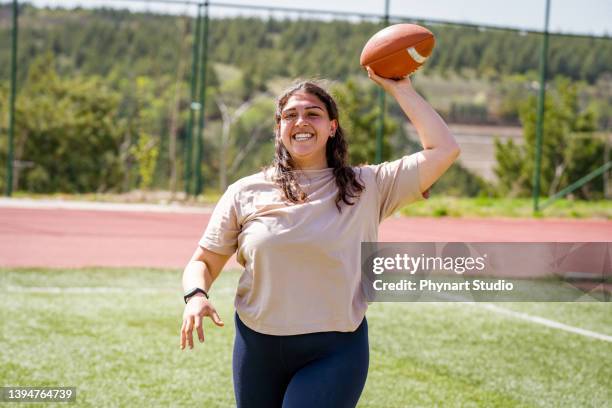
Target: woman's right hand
[(196, 308), (391, 86)]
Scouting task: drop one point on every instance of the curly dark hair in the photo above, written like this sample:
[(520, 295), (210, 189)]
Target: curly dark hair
[(349, 187)]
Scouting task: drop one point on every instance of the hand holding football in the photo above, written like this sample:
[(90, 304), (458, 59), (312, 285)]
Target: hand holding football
[(398, 50)]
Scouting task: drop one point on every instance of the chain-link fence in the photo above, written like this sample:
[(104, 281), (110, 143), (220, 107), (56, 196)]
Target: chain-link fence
[(117, 98)]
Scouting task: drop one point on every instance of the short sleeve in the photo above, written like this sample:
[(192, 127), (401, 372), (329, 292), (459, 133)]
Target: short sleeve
[(221, 234), (398, 184)]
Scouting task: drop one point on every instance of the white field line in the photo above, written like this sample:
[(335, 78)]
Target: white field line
[(497, 309), (530, 318), (545, 322)]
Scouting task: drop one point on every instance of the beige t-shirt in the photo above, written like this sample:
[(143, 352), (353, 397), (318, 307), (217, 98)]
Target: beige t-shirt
[(302, 271)]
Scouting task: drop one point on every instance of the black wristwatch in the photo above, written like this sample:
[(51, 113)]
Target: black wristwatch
[(192, 292)]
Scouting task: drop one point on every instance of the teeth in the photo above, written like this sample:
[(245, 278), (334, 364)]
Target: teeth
[(302, 136)]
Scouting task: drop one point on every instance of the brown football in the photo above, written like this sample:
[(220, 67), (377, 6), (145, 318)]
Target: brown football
[(398, 50)]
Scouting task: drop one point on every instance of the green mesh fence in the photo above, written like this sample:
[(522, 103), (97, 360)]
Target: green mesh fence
[(104, 98)]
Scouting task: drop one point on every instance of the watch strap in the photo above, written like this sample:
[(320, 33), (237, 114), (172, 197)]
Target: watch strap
[(192, 292)]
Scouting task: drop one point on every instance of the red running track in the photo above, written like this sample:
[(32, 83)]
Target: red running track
[(75, 238)]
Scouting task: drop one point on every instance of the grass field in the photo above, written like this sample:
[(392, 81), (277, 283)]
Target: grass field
[(114, 334), (446, 206)]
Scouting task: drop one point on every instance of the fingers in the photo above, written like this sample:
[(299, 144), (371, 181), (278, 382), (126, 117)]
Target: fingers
[(372, 75), (183, 336), (189, 331), (371, 72), (199, 330), (380, 81), (386, 83), (216, 319), (191, 322), (186, 329), (375, 77), (193, 319)]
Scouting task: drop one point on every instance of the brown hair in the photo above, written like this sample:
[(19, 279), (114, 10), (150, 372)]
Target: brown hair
[(336, 152)]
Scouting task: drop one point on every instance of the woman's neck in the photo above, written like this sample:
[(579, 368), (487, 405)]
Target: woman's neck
[(312, 165)]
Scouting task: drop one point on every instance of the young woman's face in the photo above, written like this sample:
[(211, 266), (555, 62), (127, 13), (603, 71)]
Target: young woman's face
[(304, 129)]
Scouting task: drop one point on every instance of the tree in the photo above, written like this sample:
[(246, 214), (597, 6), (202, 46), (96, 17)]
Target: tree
[(359, 113), (228, 118), (66, 133), (569, 150), (253, 145), (145, 152), (233, 102)]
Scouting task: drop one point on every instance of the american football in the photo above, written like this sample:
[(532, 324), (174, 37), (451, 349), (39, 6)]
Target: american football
[(398, 50)]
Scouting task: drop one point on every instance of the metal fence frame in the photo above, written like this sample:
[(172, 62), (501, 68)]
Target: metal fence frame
[(198, 83)]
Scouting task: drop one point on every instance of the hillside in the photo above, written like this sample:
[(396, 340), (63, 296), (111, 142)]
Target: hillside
[(127, 75), (97, 41)]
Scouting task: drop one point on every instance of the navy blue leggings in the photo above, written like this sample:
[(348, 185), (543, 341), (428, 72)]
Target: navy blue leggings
[(325, 369)]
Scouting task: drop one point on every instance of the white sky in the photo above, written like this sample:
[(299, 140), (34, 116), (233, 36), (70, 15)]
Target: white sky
[(568, 16)]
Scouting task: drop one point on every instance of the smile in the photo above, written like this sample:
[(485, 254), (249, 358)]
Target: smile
[(301, 137)]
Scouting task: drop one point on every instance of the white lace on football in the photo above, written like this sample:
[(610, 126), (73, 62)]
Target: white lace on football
[(415, 55)]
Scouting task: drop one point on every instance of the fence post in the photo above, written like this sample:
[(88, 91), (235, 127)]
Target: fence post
[(193, 105), (540, 113), (200, 136), (606, 175), (381, 104), (9, 159)]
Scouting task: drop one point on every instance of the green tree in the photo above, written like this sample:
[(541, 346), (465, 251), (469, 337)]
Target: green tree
[(253, 146), (569, 148), (99, 41), (359, 112), (145, 152), (66, 133)]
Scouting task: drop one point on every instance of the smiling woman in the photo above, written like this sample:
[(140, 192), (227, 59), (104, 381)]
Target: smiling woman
[(309, 137), (305, 128), (297, 227)]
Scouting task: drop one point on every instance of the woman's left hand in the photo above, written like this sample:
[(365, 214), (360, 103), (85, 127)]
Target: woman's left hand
[(389, 85)]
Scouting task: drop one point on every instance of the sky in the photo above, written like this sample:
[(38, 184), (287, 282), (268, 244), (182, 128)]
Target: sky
[(592, 17)]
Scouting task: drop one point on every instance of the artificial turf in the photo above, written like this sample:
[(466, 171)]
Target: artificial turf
[(114, 335)]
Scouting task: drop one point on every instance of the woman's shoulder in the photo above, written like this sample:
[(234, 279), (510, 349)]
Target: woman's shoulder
[(366, 171), (392, 166), (253, 182)]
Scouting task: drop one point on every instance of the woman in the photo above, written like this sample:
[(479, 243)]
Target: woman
[(301, 333)]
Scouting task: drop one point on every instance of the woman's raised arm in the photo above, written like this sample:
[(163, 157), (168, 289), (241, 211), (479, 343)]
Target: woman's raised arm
[(440, 149)]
